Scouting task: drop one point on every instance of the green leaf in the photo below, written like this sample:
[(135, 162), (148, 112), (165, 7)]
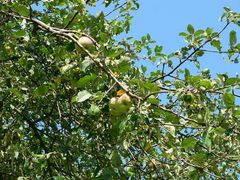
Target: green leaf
[(205, 83), (209, 30), (21, 9), (58, 178), (70, 47), (158, 50), (82, 96), (189, 142), (232, 81), (207, 141), (85, 64), (115, 52), (183, 34), (42, 90), (232, 38), (17, 93), (41, 156), (220, 131), (237, 113), (187, 74), (227, 9), (171, 118), (216, 44), (195, 79), (20, 33), (151, 86), (229, 100), (144, 68), (153, 100), (190, 29), (198, 32), (86, 80), (93, 110), (200, 157), (200, 53)]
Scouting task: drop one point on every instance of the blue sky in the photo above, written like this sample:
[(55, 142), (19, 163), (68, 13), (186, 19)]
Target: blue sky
[(163, 20)]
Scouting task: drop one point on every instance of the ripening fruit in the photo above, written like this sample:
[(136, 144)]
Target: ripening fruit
[(7, 47), (125, 100), (188, 98), (86, 42), (120, 105), (114, 106)]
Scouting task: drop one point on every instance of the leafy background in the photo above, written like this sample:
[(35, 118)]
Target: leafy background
[(55, 115)]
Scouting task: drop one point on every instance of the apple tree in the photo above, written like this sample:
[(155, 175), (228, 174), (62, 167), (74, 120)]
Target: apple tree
[(78, 102)]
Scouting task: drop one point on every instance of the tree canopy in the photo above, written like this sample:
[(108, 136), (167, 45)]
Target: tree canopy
[(76, 104)]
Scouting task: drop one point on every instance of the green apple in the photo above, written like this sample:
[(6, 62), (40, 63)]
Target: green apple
[(188, 98), (125, 100), (114, 106), (86, 42), (120, 105)]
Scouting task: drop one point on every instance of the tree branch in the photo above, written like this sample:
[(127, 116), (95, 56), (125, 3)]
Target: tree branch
[(70, 36), (180, 116), (115, 9), (71, 20)]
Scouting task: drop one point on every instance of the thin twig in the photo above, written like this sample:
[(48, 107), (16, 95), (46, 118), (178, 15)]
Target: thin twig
[(71, 20), (115, 9), (150, 159), (158, 92), (194, 52), (180, 116), (34, 129), (180, 125), (200, 167), (107, 92), (224, 87), (219, 52)]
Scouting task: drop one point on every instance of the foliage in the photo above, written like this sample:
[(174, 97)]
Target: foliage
[(54, 99)]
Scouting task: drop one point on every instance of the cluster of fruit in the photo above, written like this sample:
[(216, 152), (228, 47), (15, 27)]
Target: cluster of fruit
[(118, 105)]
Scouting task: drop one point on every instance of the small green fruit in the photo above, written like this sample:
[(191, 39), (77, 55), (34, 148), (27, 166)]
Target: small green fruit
[(125, 100), (120, 105), (114, 106), (188, 98)]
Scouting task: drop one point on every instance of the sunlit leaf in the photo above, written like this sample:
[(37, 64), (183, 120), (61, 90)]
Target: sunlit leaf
[(82, 96), (232, 38), (189, 142), (190, 29)]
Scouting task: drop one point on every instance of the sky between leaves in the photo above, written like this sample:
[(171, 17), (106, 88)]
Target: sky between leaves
[(164, 20)]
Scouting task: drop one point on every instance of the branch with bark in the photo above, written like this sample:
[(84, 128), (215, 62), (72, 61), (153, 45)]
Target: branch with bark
[(71, 35)]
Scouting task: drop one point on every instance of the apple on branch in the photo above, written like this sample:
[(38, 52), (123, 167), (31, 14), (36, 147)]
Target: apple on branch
[(120, 105), (87, 43)]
